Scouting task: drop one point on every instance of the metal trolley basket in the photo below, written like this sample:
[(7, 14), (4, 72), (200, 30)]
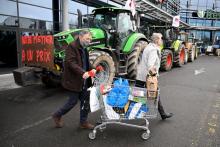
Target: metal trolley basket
[(138, 106)]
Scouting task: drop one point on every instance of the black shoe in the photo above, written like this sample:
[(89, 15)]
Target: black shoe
[(167, 115)]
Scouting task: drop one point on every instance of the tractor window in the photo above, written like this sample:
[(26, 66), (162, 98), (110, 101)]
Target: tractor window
[(105, 21), (190, 39), (182, 37), (124, 23)]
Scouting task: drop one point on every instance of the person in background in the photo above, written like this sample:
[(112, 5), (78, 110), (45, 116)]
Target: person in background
[(76, 80), (150, 64)]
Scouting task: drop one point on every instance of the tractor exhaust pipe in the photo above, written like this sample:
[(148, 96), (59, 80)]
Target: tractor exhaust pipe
[(79, 19)]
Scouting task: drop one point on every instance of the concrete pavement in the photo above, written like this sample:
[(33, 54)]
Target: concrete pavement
[(193, 98)]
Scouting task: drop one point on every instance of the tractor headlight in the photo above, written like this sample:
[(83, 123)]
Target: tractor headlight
[(57, 67)]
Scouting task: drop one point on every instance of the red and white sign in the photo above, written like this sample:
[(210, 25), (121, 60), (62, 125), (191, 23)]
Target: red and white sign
[(130, 4), (37, 51), (176, 21)]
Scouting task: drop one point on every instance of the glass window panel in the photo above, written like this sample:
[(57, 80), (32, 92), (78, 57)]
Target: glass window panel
[(115, 4), (90, 9), (217, 33), (8, 7), (202, 8), (183, 2), (217, 4), (44, 3), (193, 7), (200, 22), (35, 24), (8, 45), (192, 22), (73, 6), (73, 21), (206, 34), (210, 3), (208, 22), (202, 2), (182, 14), (8, 20), (35, 12), (217, 23)]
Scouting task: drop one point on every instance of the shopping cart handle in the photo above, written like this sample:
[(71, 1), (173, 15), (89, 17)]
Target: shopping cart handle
[(99, 68), (91, 73)]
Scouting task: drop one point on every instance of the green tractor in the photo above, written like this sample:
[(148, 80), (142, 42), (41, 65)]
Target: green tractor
[(173, 50), (116, 44)]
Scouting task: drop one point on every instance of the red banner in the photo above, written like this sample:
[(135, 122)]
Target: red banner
[(37, 51)]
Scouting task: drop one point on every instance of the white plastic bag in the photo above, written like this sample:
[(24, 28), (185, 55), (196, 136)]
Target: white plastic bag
[(110, 113), (94, 99)]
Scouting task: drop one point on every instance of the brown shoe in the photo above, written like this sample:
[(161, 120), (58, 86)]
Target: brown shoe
[(86, 125), (58, 121)]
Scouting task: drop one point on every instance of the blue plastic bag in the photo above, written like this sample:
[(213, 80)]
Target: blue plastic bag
[(118, 96)]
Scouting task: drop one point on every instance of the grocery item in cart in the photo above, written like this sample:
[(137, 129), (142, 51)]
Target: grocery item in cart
[(118, 96), (136, 110)]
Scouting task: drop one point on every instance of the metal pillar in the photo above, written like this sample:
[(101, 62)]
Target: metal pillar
[(212, 24), (65, 18), (55, 5)]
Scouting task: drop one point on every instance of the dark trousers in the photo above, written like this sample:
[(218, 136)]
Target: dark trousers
[(160, 106), (83, 96)]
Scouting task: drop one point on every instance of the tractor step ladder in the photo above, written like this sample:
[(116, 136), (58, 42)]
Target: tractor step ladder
[(122, 65)]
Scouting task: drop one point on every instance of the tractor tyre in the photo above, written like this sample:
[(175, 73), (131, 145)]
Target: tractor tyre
[(192, 54), (186, 56), (102, 58), (216, 52), (50, 81), (166, 60), (134, 58), (196, 53), (180, 56)]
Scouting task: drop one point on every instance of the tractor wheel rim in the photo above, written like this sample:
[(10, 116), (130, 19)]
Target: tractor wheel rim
[(169, 60)]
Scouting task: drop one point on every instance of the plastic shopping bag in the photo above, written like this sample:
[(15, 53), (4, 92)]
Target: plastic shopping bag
[(118, 96), (110, 113), (94, 99)]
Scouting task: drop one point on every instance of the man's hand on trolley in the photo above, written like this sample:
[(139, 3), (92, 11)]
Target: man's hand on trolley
[(90, 73)]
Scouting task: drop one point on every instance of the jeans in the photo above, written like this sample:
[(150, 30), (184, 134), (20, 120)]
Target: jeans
[(83, 96)]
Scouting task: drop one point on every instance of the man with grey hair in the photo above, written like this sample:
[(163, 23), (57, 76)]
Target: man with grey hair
[(149, 65), (76, 79)]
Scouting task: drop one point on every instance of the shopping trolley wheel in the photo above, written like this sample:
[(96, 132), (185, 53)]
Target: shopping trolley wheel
[(145, 135), (92, 135)]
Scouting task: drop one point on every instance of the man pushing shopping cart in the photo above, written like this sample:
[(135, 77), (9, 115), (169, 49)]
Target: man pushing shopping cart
[(127, 100)]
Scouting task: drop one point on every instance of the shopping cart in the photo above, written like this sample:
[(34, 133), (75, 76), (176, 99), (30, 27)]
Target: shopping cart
[(137, 105)]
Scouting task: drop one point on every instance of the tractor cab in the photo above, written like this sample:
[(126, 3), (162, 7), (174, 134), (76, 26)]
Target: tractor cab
[(117, 23), (187, 39), (169, 34)]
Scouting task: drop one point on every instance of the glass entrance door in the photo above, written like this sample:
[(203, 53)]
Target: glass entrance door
[(8, 48)]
